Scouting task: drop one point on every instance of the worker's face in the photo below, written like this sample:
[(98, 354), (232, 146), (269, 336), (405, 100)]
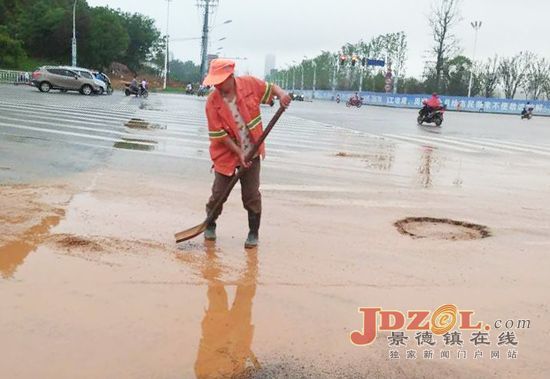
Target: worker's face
[(227, 85)]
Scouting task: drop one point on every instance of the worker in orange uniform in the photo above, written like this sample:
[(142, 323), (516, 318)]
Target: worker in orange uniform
[(234, 126)]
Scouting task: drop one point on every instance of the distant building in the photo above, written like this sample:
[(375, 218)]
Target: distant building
[(269, 64)]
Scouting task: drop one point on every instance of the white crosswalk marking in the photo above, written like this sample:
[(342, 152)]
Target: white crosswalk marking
[(175, 127)]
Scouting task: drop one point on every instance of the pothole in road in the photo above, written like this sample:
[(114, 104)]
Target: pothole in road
[(441, 229)]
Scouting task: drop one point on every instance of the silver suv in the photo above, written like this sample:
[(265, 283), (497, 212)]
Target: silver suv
[(64, 79), (87, 74)]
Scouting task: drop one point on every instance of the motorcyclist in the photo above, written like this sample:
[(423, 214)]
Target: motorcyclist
[(528, 109), (189, 88), (430, 105), (134, 85)]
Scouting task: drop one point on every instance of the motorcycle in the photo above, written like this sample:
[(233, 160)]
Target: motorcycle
[(140, 91), (203, 91), (354, 102), (526, 114), (434, 116)]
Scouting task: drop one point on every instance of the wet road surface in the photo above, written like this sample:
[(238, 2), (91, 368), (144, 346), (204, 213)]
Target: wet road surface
[(93, 189)]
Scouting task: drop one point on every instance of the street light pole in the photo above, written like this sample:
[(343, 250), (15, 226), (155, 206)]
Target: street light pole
[(361, 74), (302, 85), (74, 35), (476, 25), (167, 43), (334, 75), (314, 78)]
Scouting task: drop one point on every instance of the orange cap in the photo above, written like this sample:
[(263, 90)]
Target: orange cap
[(220, 69)]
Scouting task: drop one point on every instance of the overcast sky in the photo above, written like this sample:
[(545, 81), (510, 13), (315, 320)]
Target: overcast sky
[(292, 29)]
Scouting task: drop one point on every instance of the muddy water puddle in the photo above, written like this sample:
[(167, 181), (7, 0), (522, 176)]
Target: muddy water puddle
[(13, 254), (138, 123)]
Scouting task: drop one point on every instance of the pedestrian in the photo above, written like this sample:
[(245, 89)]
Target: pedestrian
[(234, 125)]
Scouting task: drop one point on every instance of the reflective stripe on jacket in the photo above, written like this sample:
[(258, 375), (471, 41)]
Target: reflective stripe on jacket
[(251, 92)]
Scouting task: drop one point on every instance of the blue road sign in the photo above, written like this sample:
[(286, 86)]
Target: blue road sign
[(376, 62)]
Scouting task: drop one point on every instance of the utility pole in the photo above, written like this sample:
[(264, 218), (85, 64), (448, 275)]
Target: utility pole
[(73, 45), (208, 6), (476, 25), (167, 43)]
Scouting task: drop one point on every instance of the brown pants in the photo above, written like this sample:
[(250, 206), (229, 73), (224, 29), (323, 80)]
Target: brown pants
[(250, 189)]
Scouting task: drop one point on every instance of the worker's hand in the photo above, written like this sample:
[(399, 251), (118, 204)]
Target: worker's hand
[(284, 100), (244, 164)]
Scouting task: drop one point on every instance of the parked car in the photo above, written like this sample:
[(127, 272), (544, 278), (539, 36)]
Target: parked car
[(296, 96), (105, 79), (87, 74), (64, 79)]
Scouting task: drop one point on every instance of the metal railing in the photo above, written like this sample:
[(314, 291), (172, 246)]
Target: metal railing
[(14, 77)]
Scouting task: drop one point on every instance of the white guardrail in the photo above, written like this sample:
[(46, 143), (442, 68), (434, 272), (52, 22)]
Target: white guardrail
[(15, 77)]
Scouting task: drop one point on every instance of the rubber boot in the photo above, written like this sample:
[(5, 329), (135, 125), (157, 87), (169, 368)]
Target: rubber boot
[(210, 232), (254, 226)]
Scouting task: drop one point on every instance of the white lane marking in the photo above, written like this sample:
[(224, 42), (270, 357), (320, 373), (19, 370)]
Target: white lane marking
[(42, 130), (448, 140), (513, 148), (416, 141), (516, 144)]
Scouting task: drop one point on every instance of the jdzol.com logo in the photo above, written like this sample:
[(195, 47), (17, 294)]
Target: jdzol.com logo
[(452, 326)]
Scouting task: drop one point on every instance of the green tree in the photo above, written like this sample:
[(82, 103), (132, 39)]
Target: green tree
[(45, 26), (186, 72), (488, 77), (537, 77), (12, 54), (444, 16), (512, 72), (143, 37), (457, 76), (412, 86), (107, 40)]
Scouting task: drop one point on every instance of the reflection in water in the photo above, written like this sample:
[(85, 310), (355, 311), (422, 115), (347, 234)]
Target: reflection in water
[(380, 158), (458, 181), (135, 144), (225, 345), (426, 166), (138, 123), (132, 146), (14, 253)]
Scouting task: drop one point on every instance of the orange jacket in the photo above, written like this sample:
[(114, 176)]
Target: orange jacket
[(433, 102), (251, 92)]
